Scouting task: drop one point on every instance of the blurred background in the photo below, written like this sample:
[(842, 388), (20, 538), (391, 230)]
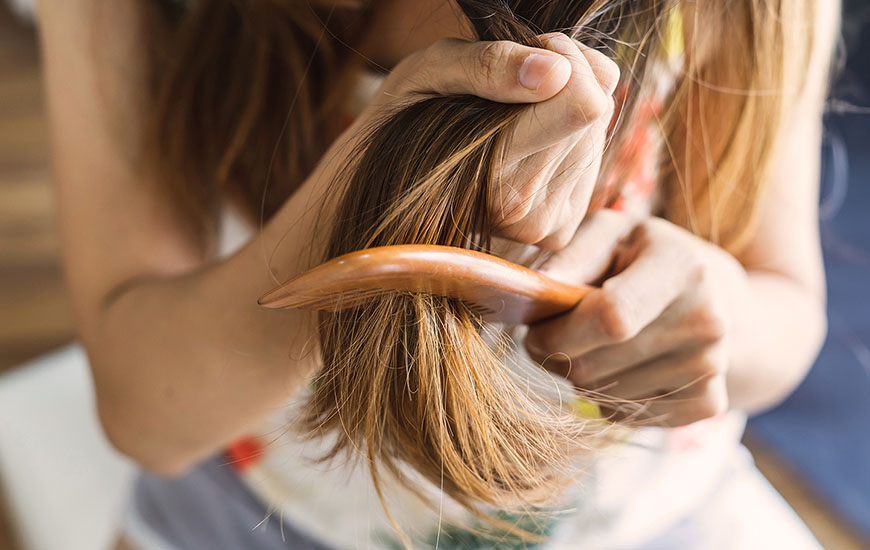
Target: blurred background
[(61, 489)]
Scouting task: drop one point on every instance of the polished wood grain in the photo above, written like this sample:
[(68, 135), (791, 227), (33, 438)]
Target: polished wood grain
[(497, 289)]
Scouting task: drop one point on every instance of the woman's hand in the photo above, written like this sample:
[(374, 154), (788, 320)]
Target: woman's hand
[(551, 165), (657, 330)]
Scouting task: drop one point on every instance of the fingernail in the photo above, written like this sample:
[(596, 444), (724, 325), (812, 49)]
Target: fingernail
[(536, 69)]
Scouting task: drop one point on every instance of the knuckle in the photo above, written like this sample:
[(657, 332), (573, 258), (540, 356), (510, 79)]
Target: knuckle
[(547, 36), (529, 233), (708, 324), (580, 114), (612, 68), (513, 209), (559, 42), (614, 317), (590, 105), (492, 58), (609, 73), (606, 69), (529, 185), (510, 214)]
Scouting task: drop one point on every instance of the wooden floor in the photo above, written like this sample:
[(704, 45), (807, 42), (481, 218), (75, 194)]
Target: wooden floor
[(33, 310), (34, 314)]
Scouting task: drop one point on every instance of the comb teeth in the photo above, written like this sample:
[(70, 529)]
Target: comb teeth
[(355, 297), (341, 300), (479, 309)]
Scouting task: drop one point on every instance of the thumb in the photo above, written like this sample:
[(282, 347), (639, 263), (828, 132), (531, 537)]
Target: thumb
[(589, 255)]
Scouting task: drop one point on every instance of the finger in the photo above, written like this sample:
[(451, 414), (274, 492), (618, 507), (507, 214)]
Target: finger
[(581, 102), (544, 208), (677, 329), (605, 69), (560, 200), (625, 304), (590, 253), (578, 174), (666, 374), (501, 71), (570, 203), (700, 401), (519, 192)]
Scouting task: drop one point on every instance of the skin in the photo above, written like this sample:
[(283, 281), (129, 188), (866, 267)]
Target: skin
[(183, 359)]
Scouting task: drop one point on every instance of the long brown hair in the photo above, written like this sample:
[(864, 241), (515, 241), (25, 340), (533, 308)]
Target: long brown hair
[(245, 101), (420, 380)]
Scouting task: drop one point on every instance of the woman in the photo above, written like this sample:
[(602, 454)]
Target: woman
[(716, 314)]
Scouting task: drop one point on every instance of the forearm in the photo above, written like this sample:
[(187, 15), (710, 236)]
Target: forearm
[(781, 322), (184, 364), (778, 328)]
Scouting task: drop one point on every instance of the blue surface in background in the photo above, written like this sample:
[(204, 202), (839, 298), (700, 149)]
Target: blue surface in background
[(823, 429)]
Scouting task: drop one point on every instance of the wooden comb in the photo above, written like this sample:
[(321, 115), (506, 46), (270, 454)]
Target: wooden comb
[(497, 289)]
